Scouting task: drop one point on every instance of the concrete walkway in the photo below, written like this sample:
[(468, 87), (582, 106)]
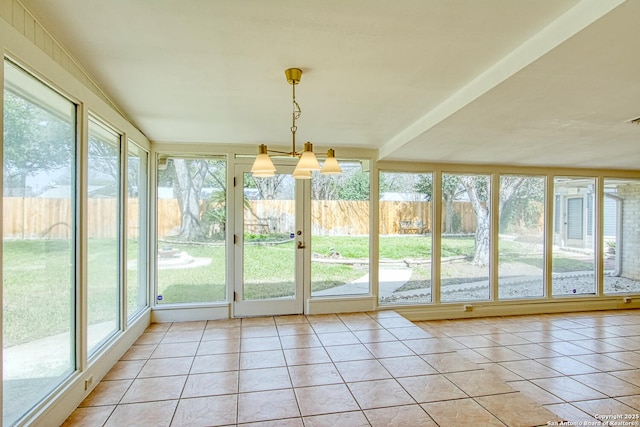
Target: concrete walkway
[(390, 280), (47, 357)]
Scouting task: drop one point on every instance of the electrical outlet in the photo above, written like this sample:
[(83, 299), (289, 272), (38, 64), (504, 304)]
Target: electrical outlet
[(468, 307), (88, 382), (626, 300)]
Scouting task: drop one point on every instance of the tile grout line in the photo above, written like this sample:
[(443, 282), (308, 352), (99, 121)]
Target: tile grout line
[(593, 355)]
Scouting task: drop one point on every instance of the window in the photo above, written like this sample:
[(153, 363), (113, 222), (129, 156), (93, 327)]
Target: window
[(405, 218), (573, 262), (269, 221), (466, 234), (621, 237), (103, 255), (38, 259), (521, 242), (137, 212), (192, 221), (340, 232)]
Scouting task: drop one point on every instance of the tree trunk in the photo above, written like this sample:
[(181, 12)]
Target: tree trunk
[(508, 188), (189, 188), (483, 222), (481, 253), (448, 216)]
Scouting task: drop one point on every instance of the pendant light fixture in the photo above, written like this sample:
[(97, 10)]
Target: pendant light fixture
[(307, 162)]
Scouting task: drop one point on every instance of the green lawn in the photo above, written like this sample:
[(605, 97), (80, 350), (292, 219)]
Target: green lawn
[(200, 284), (36, 290), (401, 247), (37, 287), (38, 275), (269, 265), (269, 271)]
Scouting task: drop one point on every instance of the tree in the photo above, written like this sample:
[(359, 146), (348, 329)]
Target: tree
[(476, 188), (324, 187), (353, 184), (269, 188), (477, 191), (214, 208), (103, 158), (188, 178), (524, 209), (35, 140), (451, 191), (397, 182)]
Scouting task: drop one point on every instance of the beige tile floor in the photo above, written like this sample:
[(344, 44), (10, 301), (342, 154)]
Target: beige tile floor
[(374, 369)]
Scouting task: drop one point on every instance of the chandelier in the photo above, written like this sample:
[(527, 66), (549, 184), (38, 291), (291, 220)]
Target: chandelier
[(307, 162)]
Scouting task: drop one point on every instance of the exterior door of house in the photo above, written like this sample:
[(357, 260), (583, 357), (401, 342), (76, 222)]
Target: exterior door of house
[(271, 243), (575, 221)]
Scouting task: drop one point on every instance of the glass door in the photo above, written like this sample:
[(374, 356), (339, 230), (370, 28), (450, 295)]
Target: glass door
[(270, 243)]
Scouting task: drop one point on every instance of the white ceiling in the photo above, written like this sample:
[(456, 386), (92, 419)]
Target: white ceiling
[(548, 82)]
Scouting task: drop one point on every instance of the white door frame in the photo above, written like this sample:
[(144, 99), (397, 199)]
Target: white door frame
[(302, 236)]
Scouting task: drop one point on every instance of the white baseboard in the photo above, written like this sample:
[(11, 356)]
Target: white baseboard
[(190, 314), (341, 305), (510, 308)]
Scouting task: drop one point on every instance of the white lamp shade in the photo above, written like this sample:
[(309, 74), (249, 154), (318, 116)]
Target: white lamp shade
[(263, 164), (331, 165), (301, 173), (265, 174), (308, 160)]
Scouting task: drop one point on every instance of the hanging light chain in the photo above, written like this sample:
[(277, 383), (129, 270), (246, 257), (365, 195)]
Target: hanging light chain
[(295, 115), (307, 162)]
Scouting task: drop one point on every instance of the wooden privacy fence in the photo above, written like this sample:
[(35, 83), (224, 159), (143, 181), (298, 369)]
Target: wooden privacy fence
[(342, 217), (328, 217), (39, 218), (415, 217)]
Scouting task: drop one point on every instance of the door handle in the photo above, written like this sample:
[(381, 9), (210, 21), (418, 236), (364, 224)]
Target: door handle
[(301, 245)]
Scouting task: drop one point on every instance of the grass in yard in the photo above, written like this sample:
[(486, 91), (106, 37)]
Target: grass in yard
[(269, 271), (135, 302), (38, 275), (38, 288), (326, 276), (199, 284), (103, 293), (567, 265), (401, 247), (346, 246), (458, 246), (177, 293), (391, 247), (38, 294)]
